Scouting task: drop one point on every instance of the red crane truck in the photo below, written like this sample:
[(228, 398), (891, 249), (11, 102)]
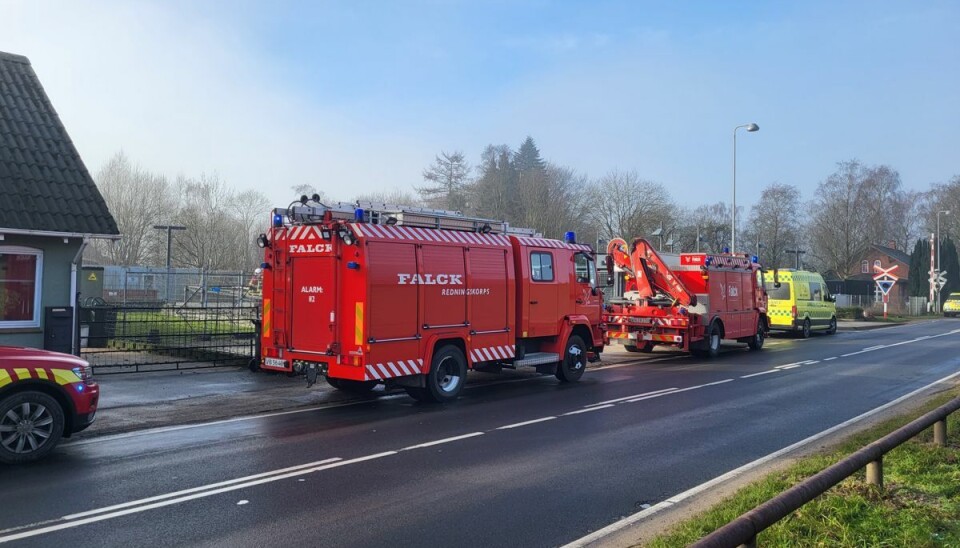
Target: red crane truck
[(365, 294), (690, 301)]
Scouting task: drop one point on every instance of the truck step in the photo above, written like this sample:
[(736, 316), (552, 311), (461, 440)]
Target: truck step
[(538, 358)]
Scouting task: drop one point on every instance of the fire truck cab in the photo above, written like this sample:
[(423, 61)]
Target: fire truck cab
[(365, 294)]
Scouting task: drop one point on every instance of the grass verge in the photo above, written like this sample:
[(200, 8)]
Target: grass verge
[(919, 505)]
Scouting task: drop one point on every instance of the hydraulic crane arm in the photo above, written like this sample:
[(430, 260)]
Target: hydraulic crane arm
[(654, 276)]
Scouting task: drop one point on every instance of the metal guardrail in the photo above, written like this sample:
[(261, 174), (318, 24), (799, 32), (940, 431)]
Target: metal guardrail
[(743, 530)]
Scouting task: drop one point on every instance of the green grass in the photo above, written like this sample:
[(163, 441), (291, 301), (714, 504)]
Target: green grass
[(145, 323), (919, 505)]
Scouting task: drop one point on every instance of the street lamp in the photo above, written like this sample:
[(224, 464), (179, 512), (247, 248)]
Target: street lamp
[(733, 228), (937, 269), (169, 229)]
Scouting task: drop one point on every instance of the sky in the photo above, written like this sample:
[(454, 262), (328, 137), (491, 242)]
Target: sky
[(358, 96)]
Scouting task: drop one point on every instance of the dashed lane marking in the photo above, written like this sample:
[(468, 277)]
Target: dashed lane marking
[(633, 396), (830, 358), (760, 373), (589, 409), (445, 440), (525, 423)]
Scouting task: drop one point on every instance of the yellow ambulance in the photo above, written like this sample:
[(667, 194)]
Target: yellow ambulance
[(799, 302)]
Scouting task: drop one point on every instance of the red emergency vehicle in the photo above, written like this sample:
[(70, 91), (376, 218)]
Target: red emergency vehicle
[(366, 294), (690, 301)]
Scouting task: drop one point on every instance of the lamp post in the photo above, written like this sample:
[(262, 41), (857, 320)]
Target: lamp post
[(733, 224), (937, 269), (169, 229), (798, 252)]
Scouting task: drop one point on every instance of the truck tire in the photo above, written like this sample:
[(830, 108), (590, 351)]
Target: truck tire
[(710, 346), (574, 361), (805, 329), (354, 387), (448, 374), (756, 341), (31, 424), (833, 327)]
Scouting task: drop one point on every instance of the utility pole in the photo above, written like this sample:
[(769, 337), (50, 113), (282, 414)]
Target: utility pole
[(733, 221), (169, 229), (798, 252)]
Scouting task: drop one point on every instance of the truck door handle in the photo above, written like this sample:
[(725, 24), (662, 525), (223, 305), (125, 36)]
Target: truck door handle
[(579, 301), (534, 302)]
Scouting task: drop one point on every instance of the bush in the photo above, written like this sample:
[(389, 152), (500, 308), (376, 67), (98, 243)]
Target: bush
[(850, 312)]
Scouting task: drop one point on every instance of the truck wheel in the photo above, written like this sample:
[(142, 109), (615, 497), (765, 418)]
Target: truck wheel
[(448, 373), (354, 387), (709, 347), (805, 330), (417, 393), (31, 424), (574, 361), (756, 341), (833, 326)]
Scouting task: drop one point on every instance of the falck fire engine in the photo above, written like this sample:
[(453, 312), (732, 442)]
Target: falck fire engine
[(690, 301), (365, 294)]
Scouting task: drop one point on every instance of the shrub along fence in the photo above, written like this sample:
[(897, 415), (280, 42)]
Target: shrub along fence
[(743, 531)]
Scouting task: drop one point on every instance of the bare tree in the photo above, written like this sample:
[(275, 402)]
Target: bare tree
[(775, 222), (397, 196), (839, 231), (447, 178), (138, 200), (250, 208), (624, 205)]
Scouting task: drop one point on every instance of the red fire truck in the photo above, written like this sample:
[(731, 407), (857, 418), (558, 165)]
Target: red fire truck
[(370, 293), (690, 301)]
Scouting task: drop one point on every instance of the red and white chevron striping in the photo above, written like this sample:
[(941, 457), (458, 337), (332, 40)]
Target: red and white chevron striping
[(492, 353), (399, 368), (304, 232), (429, 234)]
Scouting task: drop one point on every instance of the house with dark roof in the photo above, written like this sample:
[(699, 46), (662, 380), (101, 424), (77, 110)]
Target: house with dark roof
[(50, 209), (861, 282)]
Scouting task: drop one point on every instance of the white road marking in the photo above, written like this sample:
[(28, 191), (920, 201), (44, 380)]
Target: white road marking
[(680, 390), (445, 440), (680, 497), (760, 373), (197, 489), (830, 358), (792, 365), (811, 362), (633, 396), (242, 502), (170, 502), (785, 367), (524, 423), (587, 410)]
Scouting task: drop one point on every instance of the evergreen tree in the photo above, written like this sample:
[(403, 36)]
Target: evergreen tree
[(919, 269), (527, 158)]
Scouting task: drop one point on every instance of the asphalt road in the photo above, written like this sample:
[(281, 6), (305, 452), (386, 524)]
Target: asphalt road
[(523, 462)]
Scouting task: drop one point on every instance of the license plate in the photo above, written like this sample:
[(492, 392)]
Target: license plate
[(275, 362)]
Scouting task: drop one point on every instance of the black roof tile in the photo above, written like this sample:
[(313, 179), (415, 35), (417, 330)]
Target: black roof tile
[(43, 183)]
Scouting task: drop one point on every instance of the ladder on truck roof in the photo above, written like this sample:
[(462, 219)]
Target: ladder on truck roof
[(389, 214)]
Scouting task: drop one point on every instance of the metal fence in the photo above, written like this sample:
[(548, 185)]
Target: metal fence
[(743, 531), (138, 285), (118, 338)]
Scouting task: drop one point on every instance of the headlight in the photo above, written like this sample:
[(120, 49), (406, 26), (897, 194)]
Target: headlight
[(85, 372)]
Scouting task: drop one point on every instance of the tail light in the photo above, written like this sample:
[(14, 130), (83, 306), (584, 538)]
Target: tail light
[(793, 311)]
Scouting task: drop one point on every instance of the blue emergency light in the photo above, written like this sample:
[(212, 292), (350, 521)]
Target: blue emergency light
[(277, 220), (755, 259), (358, 214), (570, 237)]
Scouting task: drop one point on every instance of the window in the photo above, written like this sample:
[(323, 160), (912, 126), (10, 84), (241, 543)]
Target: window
[(781, 293), (541, 266), (864, 267), (21, 269), (816, 291), (585, 269), (876, 264)]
